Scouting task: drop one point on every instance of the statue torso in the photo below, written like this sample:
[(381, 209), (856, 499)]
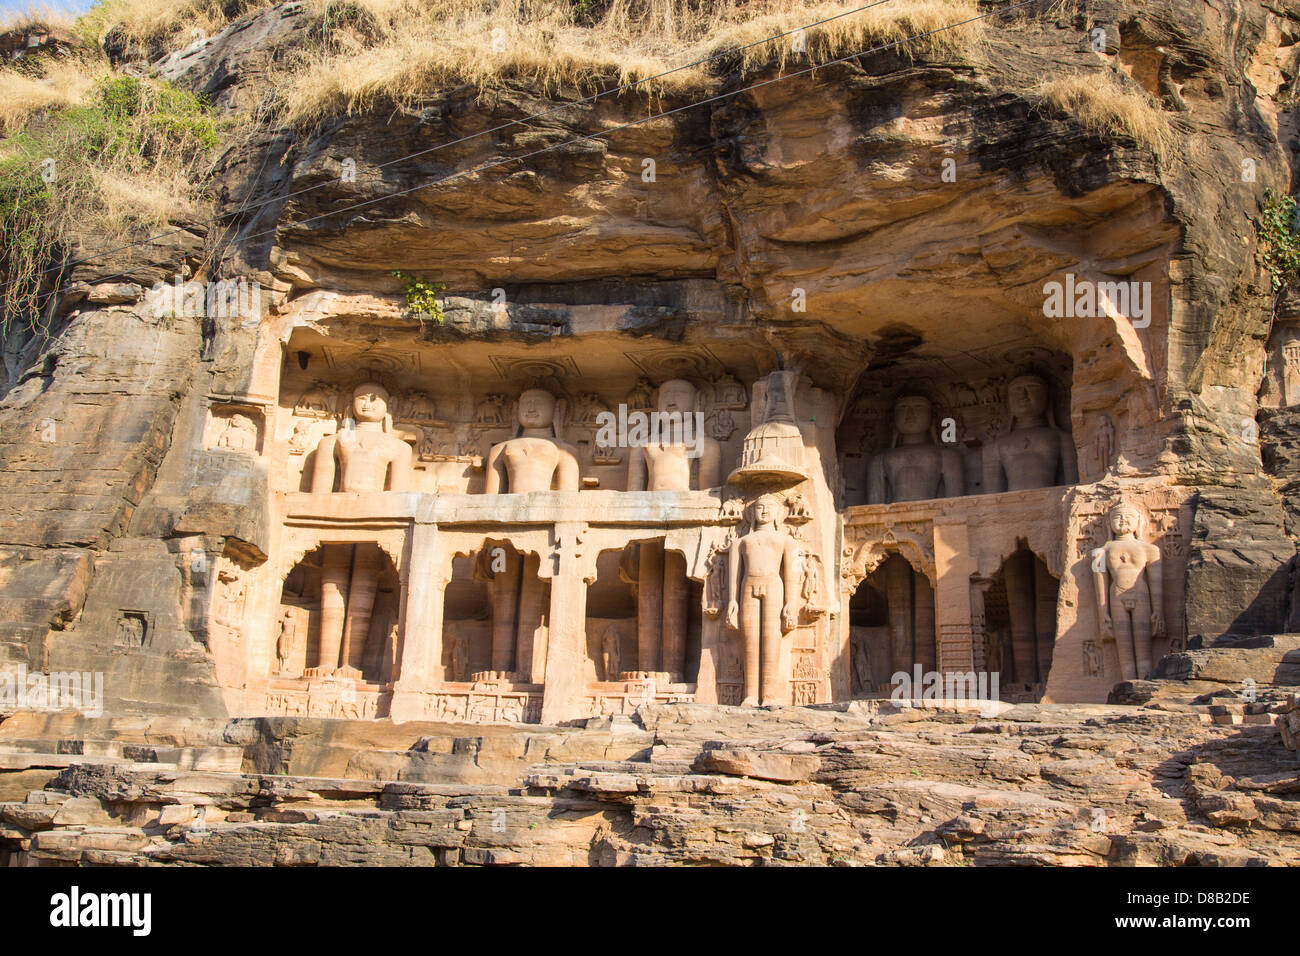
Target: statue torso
[(667, 467), (762, 552), (913, 472), (364, 457), (1126, 559), (530, 464), (1030, 457)]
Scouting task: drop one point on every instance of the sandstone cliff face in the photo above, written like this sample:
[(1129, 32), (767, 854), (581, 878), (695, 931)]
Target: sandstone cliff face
[(831, 183)]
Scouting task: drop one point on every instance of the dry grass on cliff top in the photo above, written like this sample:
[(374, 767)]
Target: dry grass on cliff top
[(401, 49), (1101, 105), (394, 51), (64, 83)]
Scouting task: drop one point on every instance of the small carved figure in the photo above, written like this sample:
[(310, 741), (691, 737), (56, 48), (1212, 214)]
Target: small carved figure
[(316, 402), (729, 393), (130, 631), (611, 653), (641, 398), (240, 434), (1105, 444), (762, 590), (420, 409), (1091, 659), (491, 411), (298, 440), (862, 683), (287, 642), (1130, 591), (459, 657)]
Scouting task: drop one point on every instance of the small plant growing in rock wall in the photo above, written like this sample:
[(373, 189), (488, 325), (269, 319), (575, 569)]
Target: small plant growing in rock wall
[(422, 296), (1276, 227)]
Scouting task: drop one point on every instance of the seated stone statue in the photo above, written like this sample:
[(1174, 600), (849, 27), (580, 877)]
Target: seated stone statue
[(367, 457), (1035, 453), (535, 459), (915, 469), (666, 465)]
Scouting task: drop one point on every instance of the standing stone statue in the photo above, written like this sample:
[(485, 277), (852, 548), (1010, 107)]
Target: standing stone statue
[(367, 457), (666, 466), (1130, 591), (915, 469), (535, 459), (287, 642), (663, 592), (1035, 453), (459, 658), (611, 653), (763, 571)]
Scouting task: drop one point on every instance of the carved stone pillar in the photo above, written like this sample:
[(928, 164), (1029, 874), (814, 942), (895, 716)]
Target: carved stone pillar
[(366, 562), (504, 594), (706, 681), (336, 567), (650, 606), (899, 592), (954, 565), (566, 641), (530, 633), (420, 654), (673, 633), (979, 587)]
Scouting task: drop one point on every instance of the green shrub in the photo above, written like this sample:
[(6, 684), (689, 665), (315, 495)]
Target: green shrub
[(130, 127), (422, 296), (1280, 245)]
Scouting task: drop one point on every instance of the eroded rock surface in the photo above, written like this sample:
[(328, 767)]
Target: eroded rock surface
[(858, 784)]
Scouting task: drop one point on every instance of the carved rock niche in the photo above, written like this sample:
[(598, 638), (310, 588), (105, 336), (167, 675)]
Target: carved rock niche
[(232, 427), (963, 411)]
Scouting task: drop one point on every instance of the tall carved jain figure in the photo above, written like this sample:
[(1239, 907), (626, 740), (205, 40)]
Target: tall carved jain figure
[(664, 464), (916, 468), (365, 458), (535, 459), (762, 588), (1034, 454), (1130, 591)]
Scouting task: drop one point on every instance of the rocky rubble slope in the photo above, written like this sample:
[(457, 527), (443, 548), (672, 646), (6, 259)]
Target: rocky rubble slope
[(854, 784)]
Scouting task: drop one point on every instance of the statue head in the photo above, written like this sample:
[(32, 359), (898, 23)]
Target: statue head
[(912, 415), (536, 408), (677, 395), (764, 510), (1027, 397), (369, 402), (1125, 518)]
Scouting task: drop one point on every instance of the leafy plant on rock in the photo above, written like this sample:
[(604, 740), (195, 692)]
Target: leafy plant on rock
[(1280, 244), (422, 296)]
